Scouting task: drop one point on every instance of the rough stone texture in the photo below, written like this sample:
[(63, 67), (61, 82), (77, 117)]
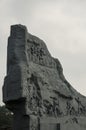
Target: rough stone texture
[(35, 88)]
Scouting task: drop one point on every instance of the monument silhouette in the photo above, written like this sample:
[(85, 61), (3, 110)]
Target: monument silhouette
[(35, 89)]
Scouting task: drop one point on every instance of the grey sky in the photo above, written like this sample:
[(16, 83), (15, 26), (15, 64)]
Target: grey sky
[(60, 23)]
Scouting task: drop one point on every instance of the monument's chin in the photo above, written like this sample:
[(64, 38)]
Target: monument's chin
[(35, 89)]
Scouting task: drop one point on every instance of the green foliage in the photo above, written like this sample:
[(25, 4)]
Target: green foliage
[(5, 117)]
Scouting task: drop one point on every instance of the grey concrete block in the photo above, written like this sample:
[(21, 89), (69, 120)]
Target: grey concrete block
[(35, 86)]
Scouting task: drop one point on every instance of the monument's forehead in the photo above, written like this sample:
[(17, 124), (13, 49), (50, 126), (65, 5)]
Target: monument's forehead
[(35, 48)]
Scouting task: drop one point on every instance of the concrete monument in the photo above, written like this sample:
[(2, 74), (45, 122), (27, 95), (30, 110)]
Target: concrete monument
[(35, 89)]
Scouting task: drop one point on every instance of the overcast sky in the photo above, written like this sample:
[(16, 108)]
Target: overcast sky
[(60, 23)]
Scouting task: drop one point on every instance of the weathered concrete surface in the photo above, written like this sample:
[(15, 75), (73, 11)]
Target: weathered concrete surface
[(35, 86)]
